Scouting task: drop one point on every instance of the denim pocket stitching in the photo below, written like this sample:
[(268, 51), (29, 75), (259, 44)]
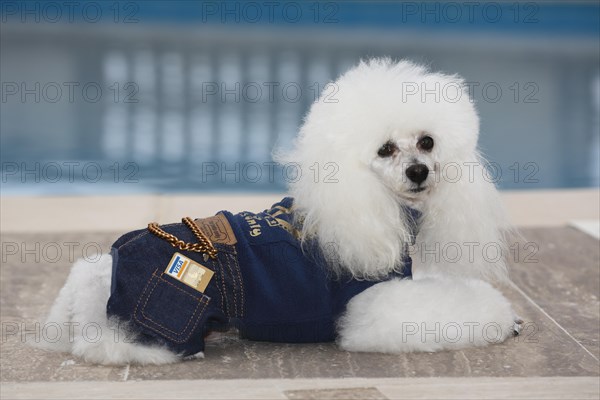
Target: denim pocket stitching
[(241, 282), (233, 279), (221, 287), (201, 300)]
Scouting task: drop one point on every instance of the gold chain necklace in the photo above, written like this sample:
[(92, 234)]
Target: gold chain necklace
[(204, 245)]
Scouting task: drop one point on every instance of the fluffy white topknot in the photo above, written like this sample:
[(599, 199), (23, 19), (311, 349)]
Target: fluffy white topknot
[(357, 220)]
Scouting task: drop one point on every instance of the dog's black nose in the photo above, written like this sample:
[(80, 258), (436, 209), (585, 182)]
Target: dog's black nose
[(417, 173)]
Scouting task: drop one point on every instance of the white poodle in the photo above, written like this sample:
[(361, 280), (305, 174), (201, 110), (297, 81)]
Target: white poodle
[(388, 169)]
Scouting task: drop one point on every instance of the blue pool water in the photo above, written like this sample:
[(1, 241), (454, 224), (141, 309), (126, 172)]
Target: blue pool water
[(183, 101)]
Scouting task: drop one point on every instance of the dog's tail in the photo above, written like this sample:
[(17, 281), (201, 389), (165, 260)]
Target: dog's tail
[(79, 313)]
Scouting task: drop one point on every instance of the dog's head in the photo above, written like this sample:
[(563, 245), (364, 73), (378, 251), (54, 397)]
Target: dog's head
[(383, 136)]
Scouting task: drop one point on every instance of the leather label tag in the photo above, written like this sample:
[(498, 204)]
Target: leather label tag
[(217, 229)]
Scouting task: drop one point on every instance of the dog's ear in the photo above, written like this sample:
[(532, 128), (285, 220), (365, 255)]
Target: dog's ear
[(345, 208), (464, 225)]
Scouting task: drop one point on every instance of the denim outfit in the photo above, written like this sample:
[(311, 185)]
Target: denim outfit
[(264, 284)]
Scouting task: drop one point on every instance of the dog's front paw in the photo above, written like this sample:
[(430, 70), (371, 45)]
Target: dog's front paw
[(518, 325)]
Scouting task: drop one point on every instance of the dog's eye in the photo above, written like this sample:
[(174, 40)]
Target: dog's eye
[(387, 149), (425, 143)]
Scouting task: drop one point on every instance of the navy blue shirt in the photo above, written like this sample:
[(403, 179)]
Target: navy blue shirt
[(261, 282)]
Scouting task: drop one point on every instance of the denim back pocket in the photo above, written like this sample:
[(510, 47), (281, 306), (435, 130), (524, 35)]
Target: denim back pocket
[(171, 309)]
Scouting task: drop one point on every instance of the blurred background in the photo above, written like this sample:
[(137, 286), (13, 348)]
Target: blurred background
[(191, 96)]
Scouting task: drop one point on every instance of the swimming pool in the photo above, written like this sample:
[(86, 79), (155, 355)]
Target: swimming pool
[(172, 105)]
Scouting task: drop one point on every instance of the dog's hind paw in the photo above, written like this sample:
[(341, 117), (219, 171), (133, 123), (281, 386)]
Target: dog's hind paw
[(196, 356)]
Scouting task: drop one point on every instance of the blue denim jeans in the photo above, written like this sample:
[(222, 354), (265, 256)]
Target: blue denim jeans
[(264, 284)]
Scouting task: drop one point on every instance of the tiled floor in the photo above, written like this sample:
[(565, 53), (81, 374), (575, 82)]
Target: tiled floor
[(556, 275)]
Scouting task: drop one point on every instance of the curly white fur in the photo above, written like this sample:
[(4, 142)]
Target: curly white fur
[(80, 310), (404, 316), (357, 214)]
